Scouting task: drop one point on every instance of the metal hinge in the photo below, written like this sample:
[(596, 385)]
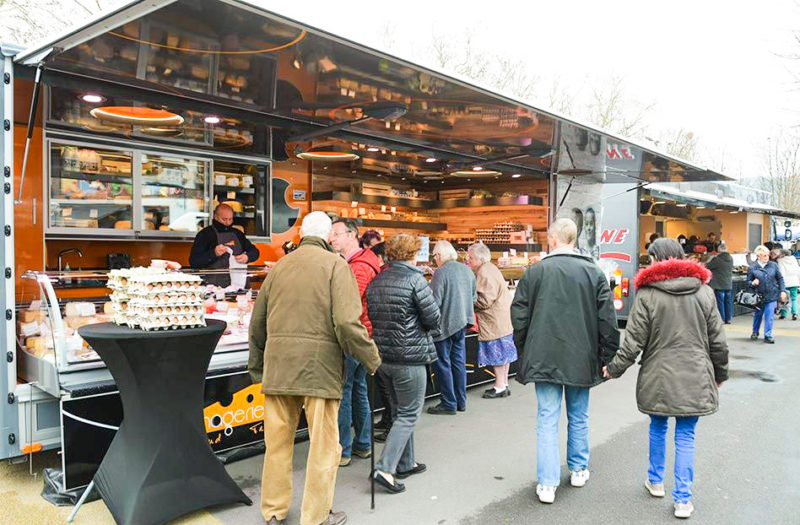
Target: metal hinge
[(9, 357), (8, 272), (7, 78), (9, 314), (8, 230), (12, 438), (11, 398), (7, 125), (7, 187), (7, 171)]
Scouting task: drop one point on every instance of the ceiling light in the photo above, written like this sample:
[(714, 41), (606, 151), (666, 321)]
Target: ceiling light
[(701, 207), (137, 116), (327, 154), (516, 176), (475, 173), (212, 119), (477, 168), (658, 202), (373, 149), (734, 211), (681, 205), (430, 159), (93, 98)]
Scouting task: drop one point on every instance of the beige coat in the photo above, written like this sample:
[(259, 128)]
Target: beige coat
[(493, 305), (305, 319)]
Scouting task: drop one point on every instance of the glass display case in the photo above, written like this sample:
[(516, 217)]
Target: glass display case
[(90, 189), (48, 342), (245, 187), (173, 194)]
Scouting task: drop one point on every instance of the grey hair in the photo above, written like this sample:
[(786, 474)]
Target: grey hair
[(723, 247), (665, 248), (480, 251), (761, 249), (445, 251), (564, 230), (316, 224)]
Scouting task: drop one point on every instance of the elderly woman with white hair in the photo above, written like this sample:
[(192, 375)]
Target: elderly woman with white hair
[(493, 307), (453, 286), (765, 278)]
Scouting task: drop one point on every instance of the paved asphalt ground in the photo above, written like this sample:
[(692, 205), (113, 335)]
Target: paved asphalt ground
[(481, 464)]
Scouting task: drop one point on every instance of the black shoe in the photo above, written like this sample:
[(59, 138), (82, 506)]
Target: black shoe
[(383, 424), (381, 438), (794, 317), (754, 336), (419, 468), (727, 322), (462, 409), (495, 394), (440, 410), (769, 340), (782, 316), (395, 488)]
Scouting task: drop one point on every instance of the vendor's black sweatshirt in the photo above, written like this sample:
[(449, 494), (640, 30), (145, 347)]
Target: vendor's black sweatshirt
[(202, 254)]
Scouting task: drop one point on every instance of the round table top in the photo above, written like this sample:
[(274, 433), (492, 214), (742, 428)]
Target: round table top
[(115, 331)]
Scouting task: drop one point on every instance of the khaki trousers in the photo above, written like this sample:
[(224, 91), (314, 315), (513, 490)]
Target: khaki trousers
[(280, 424)]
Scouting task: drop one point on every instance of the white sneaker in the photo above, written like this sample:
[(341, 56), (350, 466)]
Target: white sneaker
[(546, 494), (655, 489), (579, 478), (684, 510)]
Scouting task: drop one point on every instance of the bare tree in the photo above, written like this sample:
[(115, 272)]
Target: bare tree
[(680, 143), (782, 179), (612, 109), (26, 21)]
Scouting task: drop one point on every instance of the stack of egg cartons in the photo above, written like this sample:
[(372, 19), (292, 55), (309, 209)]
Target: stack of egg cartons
[(164, 301)]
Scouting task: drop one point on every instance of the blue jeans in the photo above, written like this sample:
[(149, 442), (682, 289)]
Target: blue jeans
[(548, 457), (451, 370), (407, 387), (684, 454), (354, 410), (725, 304), (767, 311)]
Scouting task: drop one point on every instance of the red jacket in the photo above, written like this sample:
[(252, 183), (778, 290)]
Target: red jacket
[(365, 265)]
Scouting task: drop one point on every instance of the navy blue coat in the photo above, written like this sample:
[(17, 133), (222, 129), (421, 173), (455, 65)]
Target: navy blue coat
[(770, 280)]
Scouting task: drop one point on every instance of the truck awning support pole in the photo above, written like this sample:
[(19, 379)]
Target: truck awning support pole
[(37, 84)]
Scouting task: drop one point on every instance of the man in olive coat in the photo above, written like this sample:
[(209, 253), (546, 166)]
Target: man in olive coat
[(305, 320), (566, 330)]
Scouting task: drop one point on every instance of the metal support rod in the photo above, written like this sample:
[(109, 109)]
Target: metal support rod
[(37, 85), (326, 130), (371, 395), (569, 187), (78, 505)]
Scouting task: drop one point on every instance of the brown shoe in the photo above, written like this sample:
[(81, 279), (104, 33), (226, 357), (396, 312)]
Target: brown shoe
[(335, 518), (344, 461), (362, 453)]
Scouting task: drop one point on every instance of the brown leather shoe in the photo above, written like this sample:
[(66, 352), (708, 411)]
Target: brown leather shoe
[(335, 518)]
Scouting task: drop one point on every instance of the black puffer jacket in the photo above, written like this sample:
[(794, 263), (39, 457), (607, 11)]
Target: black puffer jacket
[(403, 314)]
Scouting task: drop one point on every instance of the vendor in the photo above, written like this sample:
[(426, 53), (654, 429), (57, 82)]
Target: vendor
[(214, 245)]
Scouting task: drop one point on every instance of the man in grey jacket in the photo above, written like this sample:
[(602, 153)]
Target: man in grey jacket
[(454, 289), (721, 267), (566, 330)]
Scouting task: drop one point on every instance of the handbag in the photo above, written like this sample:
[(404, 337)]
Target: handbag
[(749, 299)]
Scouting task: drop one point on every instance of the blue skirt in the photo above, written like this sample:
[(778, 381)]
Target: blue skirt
[(497, 352)]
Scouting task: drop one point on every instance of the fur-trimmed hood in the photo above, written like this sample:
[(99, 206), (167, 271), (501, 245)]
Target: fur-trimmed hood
[(675, 276)]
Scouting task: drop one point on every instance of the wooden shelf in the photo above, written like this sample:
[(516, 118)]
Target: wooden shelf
[(405, 225), (92, 202), (168, 185), (522, 200), (237, 189), (100, 177)]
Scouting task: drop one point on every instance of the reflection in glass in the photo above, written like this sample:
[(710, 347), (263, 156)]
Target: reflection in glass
[(173, 194)]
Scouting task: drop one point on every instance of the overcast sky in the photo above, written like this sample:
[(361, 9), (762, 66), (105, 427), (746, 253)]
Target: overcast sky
[(715, 67)]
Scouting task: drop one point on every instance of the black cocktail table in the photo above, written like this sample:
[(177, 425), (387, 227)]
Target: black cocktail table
[(159, 465)]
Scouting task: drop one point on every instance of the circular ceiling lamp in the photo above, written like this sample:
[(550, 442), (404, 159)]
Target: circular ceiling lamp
[(137, 116), (93, 98), (476, 173), (428, 175), (162, 132), (328, 154)]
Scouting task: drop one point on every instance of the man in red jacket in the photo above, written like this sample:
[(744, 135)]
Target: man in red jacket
[(355, 410)]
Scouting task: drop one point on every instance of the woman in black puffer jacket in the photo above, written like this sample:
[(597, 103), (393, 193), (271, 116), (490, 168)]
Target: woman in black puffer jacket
[(403, 313)]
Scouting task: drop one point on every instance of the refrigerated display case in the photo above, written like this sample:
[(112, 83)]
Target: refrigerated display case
[(173, 193), (90, 189), (246, 188)]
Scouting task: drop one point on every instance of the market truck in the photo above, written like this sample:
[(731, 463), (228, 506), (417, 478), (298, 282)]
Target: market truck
[(120, 137)]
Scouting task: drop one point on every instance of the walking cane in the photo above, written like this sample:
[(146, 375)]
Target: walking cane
[(371, 396)]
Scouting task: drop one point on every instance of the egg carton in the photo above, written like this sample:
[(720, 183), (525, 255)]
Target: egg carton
[(161, 299), (167, 310)]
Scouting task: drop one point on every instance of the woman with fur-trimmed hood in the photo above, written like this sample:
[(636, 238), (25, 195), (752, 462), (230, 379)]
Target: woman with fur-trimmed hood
[(676, 326)]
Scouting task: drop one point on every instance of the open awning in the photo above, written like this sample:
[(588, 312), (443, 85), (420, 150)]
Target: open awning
[(234, 58), (713, 201)]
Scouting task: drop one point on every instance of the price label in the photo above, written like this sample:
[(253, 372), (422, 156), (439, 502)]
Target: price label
[(93, 213), (66, 212), (231, 195)]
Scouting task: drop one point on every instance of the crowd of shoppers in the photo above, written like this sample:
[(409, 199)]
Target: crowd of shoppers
[(369, 310)]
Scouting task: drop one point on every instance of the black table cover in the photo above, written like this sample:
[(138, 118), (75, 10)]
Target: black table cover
[(159, 465)]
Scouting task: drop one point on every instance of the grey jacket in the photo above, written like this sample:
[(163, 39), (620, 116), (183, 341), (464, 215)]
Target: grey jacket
[(454, 289), (721, 267), (675, 325)]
